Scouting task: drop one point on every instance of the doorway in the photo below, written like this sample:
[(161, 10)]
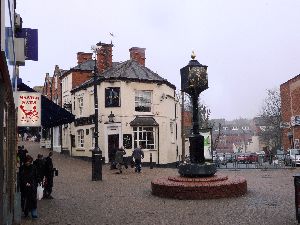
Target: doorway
[(113, 145)]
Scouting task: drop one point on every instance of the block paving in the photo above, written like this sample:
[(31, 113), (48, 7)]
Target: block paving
[(127, 199)]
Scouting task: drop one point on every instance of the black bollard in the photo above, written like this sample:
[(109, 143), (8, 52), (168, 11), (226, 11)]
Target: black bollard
[(151, 164)]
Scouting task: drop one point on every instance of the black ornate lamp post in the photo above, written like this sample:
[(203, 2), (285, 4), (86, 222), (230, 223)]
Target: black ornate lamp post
[(96, 153), (193, 82)]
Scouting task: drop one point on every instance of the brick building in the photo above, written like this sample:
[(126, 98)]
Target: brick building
[(290, 112)]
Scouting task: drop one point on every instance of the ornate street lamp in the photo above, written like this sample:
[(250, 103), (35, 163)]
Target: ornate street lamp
[(96, 153), (193, 82)]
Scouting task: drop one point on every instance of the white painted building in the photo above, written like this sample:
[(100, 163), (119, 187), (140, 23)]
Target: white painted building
[(145, 108)]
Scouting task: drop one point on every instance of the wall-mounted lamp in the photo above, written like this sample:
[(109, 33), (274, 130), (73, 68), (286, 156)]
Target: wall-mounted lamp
[(111, 117)]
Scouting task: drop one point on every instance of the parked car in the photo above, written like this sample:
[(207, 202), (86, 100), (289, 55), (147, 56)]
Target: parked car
[(247, 158), (293, 157)]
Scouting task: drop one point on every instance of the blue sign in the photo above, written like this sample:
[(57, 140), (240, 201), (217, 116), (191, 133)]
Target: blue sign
[(31, 42)]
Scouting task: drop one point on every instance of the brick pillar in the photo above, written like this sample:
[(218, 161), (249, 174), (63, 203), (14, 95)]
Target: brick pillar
[(104, 57), (138, 54)]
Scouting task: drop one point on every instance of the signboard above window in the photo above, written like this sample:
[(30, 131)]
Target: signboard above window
[(112, 97)]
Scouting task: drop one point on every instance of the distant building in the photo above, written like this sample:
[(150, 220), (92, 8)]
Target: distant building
[(290, 112), (233, 136)]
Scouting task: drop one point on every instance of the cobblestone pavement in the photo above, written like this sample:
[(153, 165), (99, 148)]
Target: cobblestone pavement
[(126, 198)]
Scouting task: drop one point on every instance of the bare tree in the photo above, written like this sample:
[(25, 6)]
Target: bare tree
[(270, 132)]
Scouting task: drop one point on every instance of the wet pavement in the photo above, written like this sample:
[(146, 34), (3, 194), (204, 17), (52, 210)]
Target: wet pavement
[(126, 198)]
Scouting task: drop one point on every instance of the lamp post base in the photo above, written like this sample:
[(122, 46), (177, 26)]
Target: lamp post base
[(96, 164)]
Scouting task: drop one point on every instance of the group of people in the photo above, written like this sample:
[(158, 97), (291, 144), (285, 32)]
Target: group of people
[(137, 155), (32, 174)]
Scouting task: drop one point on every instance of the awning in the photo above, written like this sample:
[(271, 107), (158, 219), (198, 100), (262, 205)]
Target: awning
[(52, 114), (143, 121)]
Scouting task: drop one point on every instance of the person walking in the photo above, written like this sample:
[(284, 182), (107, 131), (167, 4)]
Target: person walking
[(49, 174), (119, 158), (138, 155), (28, 186)]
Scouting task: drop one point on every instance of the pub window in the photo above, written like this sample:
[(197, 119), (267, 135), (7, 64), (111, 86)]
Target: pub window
[(143, 101), (80, 138), (80, 105), (144, 137)]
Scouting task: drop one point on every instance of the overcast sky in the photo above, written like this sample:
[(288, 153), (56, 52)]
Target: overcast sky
[(248, 46)]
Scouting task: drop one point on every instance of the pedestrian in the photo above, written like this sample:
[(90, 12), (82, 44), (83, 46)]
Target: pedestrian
[(22, 152), (119, 158), (28, 186), (138, 155), (39, 164), (49, 174)]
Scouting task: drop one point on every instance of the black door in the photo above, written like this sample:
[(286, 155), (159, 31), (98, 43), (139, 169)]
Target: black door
[(113, 145)]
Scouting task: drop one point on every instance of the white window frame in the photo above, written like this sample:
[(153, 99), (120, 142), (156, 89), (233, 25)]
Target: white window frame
[(80, 105), (140, 137), (142, 99), (80, 138)]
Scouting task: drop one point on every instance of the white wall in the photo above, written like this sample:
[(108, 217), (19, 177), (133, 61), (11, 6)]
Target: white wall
[(163, 111)]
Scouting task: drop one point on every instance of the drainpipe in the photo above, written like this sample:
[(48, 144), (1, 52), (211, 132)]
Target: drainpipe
[(158, 146), (60, 127)]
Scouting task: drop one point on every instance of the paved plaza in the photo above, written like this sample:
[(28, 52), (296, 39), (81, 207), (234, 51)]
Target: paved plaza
[(126, 198)]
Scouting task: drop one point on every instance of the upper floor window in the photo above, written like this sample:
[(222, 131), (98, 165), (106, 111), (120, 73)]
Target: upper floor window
[(80, 105), (143, 101), (112, 97), (80, 138)]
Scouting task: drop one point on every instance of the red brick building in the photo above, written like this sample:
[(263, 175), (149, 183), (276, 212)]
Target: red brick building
[(290, 112)]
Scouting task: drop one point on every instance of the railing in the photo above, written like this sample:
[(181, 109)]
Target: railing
[(278, 161)]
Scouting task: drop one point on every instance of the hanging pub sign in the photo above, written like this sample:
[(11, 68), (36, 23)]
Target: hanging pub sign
[(29, 109), (295, 120)]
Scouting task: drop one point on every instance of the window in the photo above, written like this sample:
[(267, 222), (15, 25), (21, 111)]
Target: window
[(143, 101), (92, 137), (80, 105), (80, 138), (144, 137)]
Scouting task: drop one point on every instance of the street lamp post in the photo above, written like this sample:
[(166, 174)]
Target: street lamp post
[(193, 82), (96, 153)]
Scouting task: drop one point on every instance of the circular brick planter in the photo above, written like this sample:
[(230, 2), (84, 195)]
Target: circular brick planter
[(217, 186)]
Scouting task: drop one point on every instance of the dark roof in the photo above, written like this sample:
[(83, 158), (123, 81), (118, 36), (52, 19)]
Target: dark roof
[(143, 121), (52, 114), (129, 70)]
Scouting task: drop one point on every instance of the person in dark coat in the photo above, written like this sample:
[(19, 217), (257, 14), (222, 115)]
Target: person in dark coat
[(28, 186), (49, 174), (39, 164), (119, 158), (22, 152), (138, 155)]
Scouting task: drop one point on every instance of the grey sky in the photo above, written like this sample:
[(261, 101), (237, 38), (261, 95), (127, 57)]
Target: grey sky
[(248, 46)]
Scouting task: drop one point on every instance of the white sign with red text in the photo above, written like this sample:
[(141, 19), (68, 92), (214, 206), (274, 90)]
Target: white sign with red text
[(29, 109)]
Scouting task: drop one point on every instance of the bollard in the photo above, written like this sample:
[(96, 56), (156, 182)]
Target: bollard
[(151, 164), (297, 195)]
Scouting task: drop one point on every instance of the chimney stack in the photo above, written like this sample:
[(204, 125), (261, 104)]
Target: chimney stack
[(138, 54), (82, 57), (104, 57)]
